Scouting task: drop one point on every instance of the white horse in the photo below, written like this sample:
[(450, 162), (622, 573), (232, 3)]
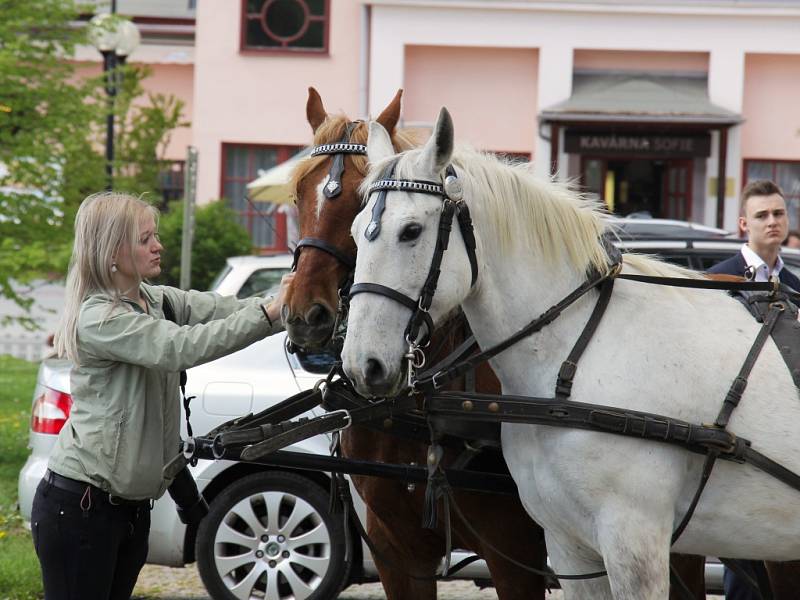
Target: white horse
[(605, 501)]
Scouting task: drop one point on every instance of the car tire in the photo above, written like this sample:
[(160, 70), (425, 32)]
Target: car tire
[(295, 550)]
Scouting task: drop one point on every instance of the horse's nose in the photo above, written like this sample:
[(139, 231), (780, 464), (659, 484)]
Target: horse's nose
[(319, 317), (375, 374)]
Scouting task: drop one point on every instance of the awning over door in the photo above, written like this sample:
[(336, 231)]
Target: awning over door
[(639, 98)]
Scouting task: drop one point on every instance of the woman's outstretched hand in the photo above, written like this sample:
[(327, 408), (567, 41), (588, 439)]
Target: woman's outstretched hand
[(273, 309)]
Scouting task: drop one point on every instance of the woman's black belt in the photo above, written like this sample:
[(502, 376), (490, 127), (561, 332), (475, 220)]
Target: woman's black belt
[(79, 487)]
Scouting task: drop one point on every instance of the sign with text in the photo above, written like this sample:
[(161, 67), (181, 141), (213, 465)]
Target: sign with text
[(635, 144)]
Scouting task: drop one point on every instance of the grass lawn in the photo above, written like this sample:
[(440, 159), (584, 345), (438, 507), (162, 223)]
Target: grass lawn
[(20, 578)]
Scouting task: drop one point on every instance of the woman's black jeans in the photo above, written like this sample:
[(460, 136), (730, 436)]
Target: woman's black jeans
[(88, 552)]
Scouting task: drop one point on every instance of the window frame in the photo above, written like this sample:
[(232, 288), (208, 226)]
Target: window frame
[(246, 50), (774, 162), (284, 152)]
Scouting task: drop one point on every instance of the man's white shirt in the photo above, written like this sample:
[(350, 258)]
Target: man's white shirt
[(760, 268)]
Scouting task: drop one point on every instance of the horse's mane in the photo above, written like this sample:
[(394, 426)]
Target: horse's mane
[(523, 212), (330, 132)]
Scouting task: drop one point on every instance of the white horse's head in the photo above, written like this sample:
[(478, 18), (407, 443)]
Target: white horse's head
[(399, 257)]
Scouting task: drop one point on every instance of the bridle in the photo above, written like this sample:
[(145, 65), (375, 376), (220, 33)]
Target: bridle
[(331, 190), (451, 194)]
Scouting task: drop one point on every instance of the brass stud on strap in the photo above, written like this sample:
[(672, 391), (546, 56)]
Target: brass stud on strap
[(387, 423), (466, 405), (493, 407)]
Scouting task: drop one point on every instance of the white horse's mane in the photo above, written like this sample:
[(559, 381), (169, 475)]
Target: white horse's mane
[(521, 211)]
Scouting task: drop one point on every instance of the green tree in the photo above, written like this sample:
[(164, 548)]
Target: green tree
[(217, 235), (52, 137)]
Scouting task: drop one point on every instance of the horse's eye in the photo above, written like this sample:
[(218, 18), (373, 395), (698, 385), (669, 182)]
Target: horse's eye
[(410, 232)]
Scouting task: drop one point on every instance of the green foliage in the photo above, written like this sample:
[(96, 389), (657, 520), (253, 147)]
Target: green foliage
[(20, 577), (217, 235), (52, 137)]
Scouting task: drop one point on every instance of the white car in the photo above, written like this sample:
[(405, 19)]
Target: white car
[(308, 546)]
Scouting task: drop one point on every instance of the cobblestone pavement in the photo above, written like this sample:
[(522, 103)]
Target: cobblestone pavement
[(163, 583)]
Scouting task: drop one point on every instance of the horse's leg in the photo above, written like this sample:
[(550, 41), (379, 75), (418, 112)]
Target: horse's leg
[(514, 534), (784, 578), (401, 561), (568, 558), (692, 571), (636, 554)]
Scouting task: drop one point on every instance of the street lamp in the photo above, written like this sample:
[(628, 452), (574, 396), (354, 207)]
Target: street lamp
[(116, 39)]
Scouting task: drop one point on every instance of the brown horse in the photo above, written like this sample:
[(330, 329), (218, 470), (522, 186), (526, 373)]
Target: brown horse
[(394, 511)]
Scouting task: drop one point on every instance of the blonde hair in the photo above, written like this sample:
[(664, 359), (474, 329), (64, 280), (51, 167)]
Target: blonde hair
[(105, 221)]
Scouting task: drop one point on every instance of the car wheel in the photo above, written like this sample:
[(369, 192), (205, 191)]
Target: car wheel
[(270, 536)]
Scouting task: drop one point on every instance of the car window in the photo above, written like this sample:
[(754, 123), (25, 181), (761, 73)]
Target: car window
[(682, 260), (708, 260), (262, 282), (220, 276)]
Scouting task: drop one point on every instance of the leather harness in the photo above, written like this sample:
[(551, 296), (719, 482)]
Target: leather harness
[(253, 437), (331, 189)]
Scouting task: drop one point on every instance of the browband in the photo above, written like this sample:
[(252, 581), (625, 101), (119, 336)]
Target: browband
[(339, 148)]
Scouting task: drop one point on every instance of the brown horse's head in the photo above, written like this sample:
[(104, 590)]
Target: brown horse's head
[(312, 300)]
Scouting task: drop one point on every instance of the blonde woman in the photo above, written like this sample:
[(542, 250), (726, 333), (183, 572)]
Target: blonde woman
[(91, 512)]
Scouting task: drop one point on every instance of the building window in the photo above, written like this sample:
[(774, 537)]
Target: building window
[(285, 25), (786, 174), (241, 164)]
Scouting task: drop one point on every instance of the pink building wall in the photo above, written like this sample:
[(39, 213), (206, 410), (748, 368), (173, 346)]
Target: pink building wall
[(261, 98), (640, 60), (499, 114), (174, 79), (771, 107)]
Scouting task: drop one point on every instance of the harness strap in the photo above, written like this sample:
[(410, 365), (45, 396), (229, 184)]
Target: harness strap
[(570, 366), (420, 313), (382, 290), (739, 384), (374, 227), (709, 284), (286, 409), (440, 378), (320, 244)]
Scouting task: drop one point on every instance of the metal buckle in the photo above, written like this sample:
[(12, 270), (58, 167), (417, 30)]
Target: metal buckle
[(346, 413), (434, 383)]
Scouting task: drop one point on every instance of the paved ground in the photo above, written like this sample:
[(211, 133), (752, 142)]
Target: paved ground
[(163, 583)]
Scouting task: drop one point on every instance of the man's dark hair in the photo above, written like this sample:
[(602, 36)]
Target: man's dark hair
[(760, 187)]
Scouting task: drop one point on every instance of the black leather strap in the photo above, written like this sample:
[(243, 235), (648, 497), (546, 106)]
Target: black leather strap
[(382, 290), (169, 314), (439, 379), (570, 366), (320, 244), (739, 384)]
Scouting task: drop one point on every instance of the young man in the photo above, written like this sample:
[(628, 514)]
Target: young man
[(766, 224)]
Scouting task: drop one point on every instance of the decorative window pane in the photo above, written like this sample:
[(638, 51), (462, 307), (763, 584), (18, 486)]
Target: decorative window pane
[(787, 175), (288, 25), (759, 170), (242, 164)]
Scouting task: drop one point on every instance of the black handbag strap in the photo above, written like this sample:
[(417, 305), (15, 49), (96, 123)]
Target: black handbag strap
[(169, 314)]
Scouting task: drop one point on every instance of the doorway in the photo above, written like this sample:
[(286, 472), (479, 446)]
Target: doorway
[(639, 187)]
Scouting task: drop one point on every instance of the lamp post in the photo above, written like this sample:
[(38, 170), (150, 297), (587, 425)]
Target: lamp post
[(116, 39)]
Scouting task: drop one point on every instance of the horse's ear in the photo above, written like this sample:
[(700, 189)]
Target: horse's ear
[(315, 112), (439, 148), (391, 114), (379, 144)]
